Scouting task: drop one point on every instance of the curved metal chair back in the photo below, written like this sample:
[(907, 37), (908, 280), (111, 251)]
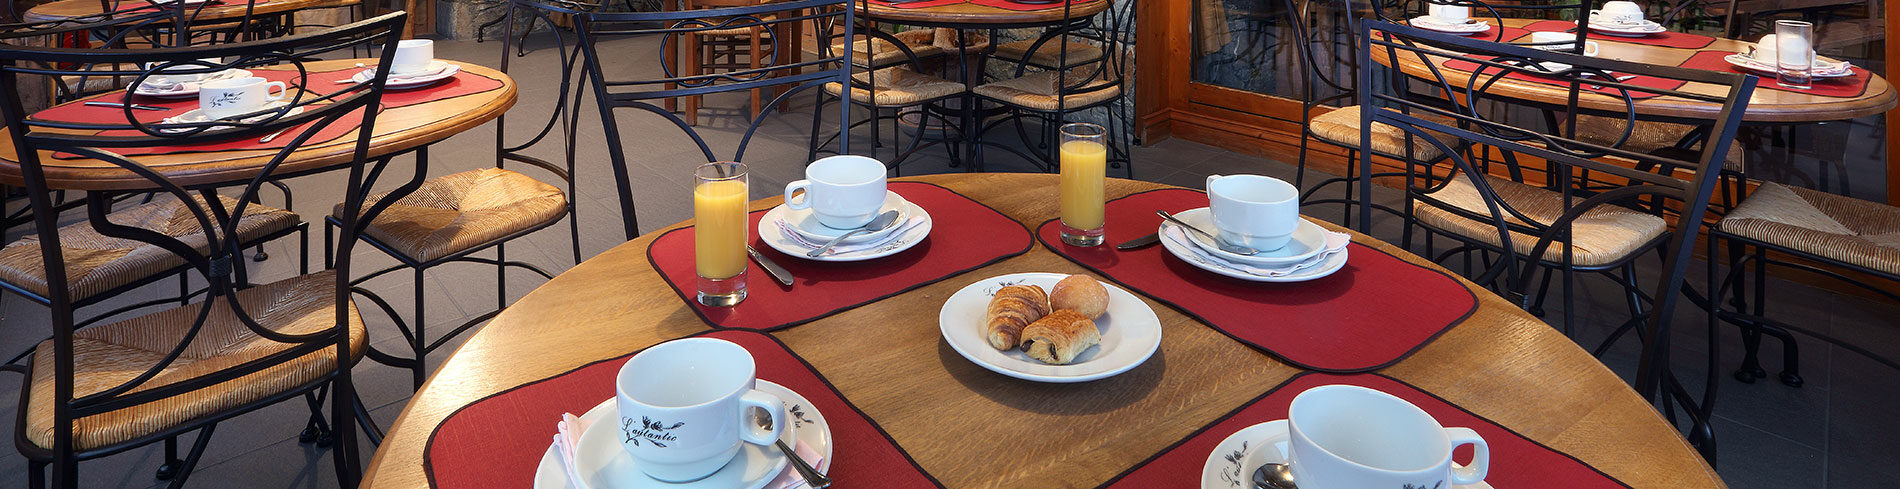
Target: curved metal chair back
[(36, 142), (1108, 30)]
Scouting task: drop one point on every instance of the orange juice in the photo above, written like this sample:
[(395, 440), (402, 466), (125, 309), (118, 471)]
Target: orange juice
[(1084, 172), (719, 235)]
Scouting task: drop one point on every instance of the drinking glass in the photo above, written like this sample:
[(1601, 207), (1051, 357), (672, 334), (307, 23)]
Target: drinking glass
[(1794, 53), (720, 232), (1084, 171)]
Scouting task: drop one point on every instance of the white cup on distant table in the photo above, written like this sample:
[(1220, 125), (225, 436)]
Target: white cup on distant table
[(1449, 14), (1767, 52), (176, 73), (413, 57), (1619, 12), (237, 96), (1562, 41), (844, 191), (1254, 211), (1346, 436), (686, 405)]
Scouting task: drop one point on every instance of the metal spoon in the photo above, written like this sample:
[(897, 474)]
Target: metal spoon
[(882, 221), (813, 478), (1223, 245), (1274, 476)]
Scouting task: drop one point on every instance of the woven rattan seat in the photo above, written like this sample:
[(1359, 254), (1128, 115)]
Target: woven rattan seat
[(1604, 235), (1050, 54), (453, 213), (1341, 127), (96, 263), (1851, 230), (883, 53), (742, 27), (897, 86), (106, 356), (1038, 90), (1648, 136)]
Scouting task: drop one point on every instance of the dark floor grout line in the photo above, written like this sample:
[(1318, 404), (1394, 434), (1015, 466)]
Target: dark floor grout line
[(1736, 422)]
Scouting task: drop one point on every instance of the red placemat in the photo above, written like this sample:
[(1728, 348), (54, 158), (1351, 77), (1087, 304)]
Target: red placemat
[(1664, 39), (1639, 80), (1516, 462), (462, 84), (1508, 34), (150, 7), (1370, 314), (919, 4), (498, 441), (1024, 7), (1847, 86), (965, 235)]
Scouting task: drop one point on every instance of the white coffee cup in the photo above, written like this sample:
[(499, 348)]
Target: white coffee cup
[(844, 191), (1449, 14), (1621, 12), (685, 405), (1254, 211), (1346, 436), (412, 56), (1767, 51), (1548, 41), (237, 96)]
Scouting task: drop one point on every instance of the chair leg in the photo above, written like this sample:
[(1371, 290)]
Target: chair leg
[(753, 64), (420, 340), (172, 465), (191, 459), (343, 419), (36, 475), (695, 52)]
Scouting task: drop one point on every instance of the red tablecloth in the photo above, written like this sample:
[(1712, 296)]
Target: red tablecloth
[(965, 235), (1848, 86), (1665, 39), (1344, 322), (1516, 462), (498, 442), (919, 4), (1024, 7)]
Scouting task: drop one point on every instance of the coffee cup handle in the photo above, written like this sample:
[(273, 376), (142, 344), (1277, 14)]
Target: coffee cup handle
[(794, 187), (753, 433), (1591, 48), (1210, 181), (282, 90), (1480, 459)]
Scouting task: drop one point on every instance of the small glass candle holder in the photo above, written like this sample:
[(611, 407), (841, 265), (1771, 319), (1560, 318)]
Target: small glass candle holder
[(720, 232), (1794, 53), (1084, 167)]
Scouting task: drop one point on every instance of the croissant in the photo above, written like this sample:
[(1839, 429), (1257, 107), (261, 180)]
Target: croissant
[(1011, 309), (1059, 337)]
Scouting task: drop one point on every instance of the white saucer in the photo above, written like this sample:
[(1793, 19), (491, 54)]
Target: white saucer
[(185, 89), (1332, 264), (1308, 239), (805, 221), (198, 115), (1268, 443), (1647, 27), (1750, 64), (438, 70), (808, 425), (775, 237), (1430, 23), (1130, 333)]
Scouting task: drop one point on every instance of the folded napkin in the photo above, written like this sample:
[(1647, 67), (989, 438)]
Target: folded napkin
[(567, 439), (793, 234), (1335, 243), (789, 479)]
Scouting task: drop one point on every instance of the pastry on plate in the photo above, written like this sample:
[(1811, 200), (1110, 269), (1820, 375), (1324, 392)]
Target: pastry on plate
[(1059, 337), (1011, 310), (1080, 293)]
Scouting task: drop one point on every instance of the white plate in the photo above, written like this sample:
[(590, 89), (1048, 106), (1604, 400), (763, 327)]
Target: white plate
[(1130, 333), (1308, 239), (1227, 466), (1750, 64), (805, 222), (1430, 23), (775, 238), (438, 70), (1645, 28), (809, 426), (185, 89), (198, 115), (1267, 443), (1332, 264)]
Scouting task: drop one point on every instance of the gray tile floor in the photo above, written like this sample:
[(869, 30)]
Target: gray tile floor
[(1839, 431)]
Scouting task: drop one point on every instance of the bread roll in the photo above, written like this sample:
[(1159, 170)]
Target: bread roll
[(1060, 336), (1012, 309), (1080, 293)]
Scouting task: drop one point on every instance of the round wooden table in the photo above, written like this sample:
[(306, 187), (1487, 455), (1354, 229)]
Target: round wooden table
[(66, 9), (1500, 363), (398, 129), (971, 15), (1766, 106)]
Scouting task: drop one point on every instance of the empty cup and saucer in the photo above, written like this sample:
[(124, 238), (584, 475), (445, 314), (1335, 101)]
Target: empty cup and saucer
[(1348, 437), (247, 99), (182, 79), (1450, 19), (839, 196), (414, 65), (1763, 57), (1623, 18), (1261, 213)]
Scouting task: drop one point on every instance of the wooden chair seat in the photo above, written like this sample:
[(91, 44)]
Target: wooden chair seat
[(1050, 54), (1851, 230), (897, 86), (106, 356), (96, 263), (1341, 127), (882, 53), (453, 213), (1604, 235), (1039, 90), (1648, 136)]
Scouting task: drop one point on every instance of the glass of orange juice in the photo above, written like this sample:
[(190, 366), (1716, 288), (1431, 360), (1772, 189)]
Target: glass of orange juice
[(1084, 168), (720, 232)]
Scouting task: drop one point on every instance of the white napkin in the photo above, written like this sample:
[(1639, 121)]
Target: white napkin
[(1335, 243), (789, 479), (793, 234), (567, 439)]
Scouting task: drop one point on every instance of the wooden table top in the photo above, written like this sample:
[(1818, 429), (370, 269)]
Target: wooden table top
[(397, 129), (1501, 363), (970, 14), (1767, 105), (66, 9)]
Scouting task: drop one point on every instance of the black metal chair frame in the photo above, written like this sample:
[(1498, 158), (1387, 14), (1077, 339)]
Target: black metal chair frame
[(223, 269), (1114, 67), (928, 109), (1654, 378)]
